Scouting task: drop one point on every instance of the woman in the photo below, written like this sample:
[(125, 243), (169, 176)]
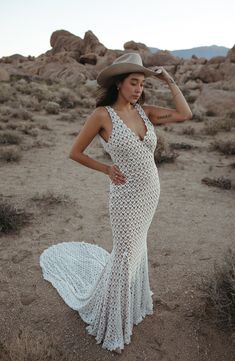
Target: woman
[(111, 291)]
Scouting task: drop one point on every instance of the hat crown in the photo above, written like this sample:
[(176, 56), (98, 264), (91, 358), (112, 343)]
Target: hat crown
[(129, 58), (126, 63)]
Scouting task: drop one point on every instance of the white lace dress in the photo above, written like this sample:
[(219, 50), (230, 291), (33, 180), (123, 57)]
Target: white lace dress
[(111, 291)]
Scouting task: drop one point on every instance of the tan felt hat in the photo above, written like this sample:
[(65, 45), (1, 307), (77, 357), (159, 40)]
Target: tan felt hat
[(126, 63)]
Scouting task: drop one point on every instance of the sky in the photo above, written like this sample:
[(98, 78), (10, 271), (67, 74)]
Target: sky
[(26, 25)]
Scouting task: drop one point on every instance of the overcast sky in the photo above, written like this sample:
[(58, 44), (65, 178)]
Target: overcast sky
[(26, 25)]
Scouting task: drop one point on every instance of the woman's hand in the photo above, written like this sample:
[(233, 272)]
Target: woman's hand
[(116, 175), (162, 74)]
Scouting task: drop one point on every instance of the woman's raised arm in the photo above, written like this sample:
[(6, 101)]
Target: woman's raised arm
[(161, 115)]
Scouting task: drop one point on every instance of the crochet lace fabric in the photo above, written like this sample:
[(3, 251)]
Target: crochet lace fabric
[(111, 291)]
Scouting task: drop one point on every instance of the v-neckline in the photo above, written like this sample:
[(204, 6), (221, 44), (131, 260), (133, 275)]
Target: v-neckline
[(132, 131)]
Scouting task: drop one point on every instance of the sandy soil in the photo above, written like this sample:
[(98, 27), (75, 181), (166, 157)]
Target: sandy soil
[(191, 229)]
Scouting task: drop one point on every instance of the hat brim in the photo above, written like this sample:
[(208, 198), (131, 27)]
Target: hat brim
[(104, 77)]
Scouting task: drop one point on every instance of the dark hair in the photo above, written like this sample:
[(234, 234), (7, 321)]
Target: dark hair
[(108, 95)]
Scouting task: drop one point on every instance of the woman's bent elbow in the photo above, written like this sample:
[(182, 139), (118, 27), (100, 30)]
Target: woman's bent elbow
[(74, 156)]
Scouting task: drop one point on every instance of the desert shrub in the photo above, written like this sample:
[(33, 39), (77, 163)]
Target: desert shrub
[(67, 99), (11, 153), (226, 147), (168, 128), (210, 113), (28, 129), (163, 153), (6, 92), (220, 182), (9, 137), (191, 98), (213, 127), (44, 126), (226, 124), (41, 122), (52, 108), (50, 199), (219, 292), (189, 130), (67, 117), (12, 218), (21, 113), (5, 110), (12, 125), (30, 102), (181, 146), (198, 115), (231, 114), (37, 90)]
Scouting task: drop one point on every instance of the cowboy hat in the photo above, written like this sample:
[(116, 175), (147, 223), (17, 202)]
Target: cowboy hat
[(126, 63)]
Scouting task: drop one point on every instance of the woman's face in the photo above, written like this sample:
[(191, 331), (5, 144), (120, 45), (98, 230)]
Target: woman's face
[(131, 87)]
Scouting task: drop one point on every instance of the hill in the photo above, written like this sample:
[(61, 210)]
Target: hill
[(207, 52)]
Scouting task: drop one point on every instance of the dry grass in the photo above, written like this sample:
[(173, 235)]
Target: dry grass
[(225, 147), (10, 153), (220, 182), (12, 218), (219, 293), (163, 153), (9, 137)]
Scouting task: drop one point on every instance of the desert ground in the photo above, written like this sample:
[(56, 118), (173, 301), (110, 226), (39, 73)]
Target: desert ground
[(55, 200)]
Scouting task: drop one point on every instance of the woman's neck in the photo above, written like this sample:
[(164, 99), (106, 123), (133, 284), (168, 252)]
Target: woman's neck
[(123, 106)]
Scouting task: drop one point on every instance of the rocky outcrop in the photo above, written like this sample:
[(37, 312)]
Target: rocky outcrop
[(64, 41), (76, 60), (231, 55)]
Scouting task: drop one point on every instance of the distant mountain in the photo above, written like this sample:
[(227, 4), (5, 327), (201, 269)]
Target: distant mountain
[(201, 51)]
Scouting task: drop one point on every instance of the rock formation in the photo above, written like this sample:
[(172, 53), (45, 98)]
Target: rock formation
[(76, 61)]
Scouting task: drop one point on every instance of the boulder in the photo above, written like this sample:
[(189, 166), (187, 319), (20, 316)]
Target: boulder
[(217, 101), (132, 45)]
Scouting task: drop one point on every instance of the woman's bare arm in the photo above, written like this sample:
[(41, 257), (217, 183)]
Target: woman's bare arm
[(89, 130), (161, 115), (94, 123)]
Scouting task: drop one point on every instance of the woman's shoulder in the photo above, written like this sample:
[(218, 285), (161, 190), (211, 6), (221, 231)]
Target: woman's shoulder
[(100, 115), (100, 111)]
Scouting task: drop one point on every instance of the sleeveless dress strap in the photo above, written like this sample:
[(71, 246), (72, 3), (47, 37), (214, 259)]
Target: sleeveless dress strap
[(143, 114), (111, 113)]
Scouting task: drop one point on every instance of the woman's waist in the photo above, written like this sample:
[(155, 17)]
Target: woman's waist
[(138, 180), (140, 169)]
